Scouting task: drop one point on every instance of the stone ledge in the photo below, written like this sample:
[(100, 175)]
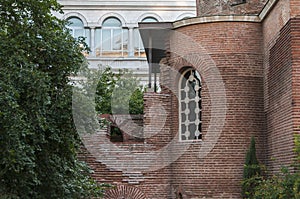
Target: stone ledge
[(226, 18), (210, 19)]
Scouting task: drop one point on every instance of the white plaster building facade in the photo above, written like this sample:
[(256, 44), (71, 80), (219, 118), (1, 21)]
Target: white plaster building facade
[(111, 28)]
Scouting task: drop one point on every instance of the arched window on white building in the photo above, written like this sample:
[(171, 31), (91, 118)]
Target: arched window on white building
[(149, 19), (77, 29), (139, 50), (112, 39), (190, 124)]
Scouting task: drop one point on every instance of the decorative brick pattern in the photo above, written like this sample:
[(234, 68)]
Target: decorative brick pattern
[(122, 191)]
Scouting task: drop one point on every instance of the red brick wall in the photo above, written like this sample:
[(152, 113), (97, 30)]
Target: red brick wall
[(100, 173), (259, 66), (295, 7), (227, 7), (295, 48), (278, 86), (236, 50), (157, 128)]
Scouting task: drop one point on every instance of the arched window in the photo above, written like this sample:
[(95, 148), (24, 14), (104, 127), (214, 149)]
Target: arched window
[(77, 29), (190, 106), (149, 19), (113, 39), (112, 22), (139, 50)]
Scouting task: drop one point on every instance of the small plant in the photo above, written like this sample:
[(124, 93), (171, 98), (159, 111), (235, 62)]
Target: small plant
[(252, 171), (286, 184)]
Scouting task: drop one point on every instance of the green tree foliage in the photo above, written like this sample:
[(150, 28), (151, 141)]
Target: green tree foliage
[(252, 171), (38, 139), (106, 83), (136, 102), (251, 167), (118, 93), (285, 185), (101, 91)]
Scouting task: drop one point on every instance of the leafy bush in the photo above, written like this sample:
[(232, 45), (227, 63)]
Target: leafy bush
[(252, 171), (284, 185), (38, 139), (119, 93), (113, 93)]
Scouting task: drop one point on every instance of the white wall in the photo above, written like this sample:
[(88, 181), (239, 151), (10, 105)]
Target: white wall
[(94, 12)]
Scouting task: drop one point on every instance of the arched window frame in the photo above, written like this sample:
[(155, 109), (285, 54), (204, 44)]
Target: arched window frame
[(149, 19), (74, 29), (189, 118), (139, 50), (108, 43)]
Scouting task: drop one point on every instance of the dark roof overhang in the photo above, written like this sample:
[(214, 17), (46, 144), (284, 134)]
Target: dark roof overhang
[(155, 36)]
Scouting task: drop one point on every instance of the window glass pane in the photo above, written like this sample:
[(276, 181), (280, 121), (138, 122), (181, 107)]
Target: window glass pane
[(77, 29), (191, 93), (125, 39), (149, 19), (183, 105), (112, 22), (192, 115), (98, 42), (184, 79), (190, 105), (192, 130), (87, 35), (139, 50), (136, 39), (75, 22), (183, 95), (106, 39), (183, 129), (183, 117), (71, 31), (117, 39), (78, 33)]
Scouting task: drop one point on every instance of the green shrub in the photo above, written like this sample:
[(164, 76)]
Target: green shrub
[(252, 172), (285, 185)]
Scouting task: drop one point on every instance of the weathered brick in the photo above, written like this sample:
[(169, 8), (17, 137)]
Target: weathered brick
[(258, 63)]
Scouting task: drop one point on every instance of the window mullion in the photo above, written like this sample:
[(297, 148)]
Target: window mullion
[(111, 39)]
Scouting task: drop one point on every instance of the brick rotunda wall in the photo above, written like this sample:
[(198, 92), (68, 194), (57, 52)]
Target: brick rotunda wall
[(229, 7), (236, 50)]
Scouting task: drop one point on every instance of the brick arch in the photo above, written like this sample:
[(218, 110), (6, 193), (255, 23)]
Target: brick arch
[(124, 192)]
